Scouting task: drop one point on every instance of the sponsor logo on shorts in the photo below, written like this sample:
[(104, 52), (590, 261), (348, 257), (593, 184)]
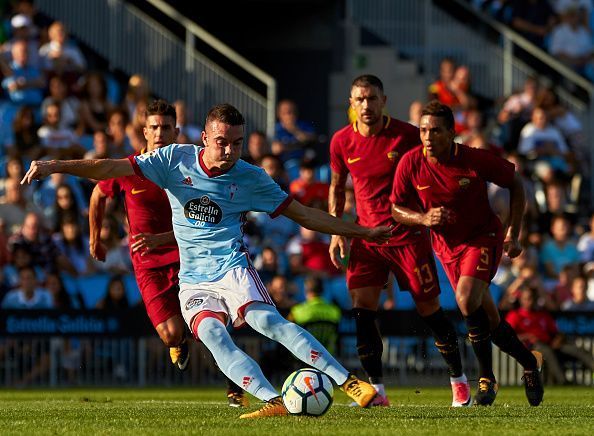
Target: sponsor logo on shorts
[(422, 188), (464, 182), (137, 191), (314, 355), (392, 155), (247, 380), (429, 289), (203, 212), (352, 160), (480, 268), (193, 302)]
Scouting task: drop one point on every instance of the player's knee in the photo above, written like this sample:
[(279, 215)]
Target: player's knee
[(210, 330), (171, 337), (268, 321)]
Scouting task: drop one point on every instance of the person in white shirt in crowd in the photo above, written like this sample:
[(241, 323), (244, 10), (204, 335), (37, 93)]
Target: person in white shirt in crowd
[(29, 295)]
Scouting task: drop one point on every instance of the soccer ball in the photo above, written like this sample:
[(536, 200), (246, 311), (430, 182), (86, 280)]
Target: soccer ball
[(307, 392)]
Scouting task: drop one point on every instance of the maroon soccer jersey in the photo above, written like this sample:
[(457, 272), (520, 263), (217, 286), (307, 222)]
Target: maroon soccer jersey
[(372, 163), (460, 185), (148, 211)]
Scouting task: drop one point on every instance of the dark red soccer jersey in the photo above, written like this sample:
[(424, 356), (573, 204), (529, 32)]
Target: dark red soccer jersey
[(148, 211), (460, 185), (372, 163)]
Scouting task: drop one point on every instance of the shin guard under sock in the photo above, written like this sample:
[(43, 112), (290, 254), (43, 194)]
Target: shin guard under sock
[(480, 339), (507, 340), (446, 341), (369, 343)]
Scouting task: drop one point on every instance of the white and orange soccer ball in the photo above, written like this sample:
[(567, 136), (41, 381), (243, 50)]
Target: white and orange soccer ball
[(307, 391)]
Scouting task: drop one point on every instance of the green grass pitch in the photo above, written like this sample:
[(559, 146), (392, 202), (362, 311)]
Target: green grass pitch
[(201, 411)]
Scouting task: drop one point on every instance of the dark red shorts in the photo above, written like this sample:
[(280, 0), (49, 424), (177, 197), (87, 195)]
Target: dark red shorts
[(480, 262), (159, 290), (412, 264)]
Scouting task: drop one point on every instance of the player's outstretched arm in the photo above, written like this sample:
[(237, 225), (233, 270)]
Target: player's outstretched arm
[(320, 221), (98, 169), (435, 216)]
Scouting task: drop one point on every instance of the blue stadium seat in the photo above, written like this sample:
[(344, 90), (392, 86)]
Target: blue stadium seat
[(292, 168), (92, 289), (114, 91), (86, 141), (335, 289), (323, 173), (132, 291)]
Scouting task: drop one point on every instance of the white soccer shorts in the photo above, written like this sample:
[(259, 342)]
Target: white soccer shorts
[(230, 294)]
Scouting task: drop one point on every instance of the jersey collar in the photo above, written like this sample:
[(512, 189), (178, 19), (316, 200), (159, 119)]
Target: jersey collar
[(385, 126), (210, 173)]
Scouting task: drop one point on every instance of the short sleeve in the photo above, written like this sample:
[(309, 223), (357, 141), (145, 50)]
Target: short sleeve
[(109, 187), (491, 167), (267, 196), (336, 158), (402, 186), (155, 165)]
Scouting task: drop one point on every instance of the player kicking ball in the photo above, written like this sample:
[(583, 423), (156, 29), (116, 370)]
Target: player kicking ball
[(449, 182), (210, 190)]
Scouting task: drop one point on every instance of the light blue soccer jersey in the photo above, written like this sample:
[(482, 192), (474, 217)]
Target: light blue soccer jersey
[(209, 211)]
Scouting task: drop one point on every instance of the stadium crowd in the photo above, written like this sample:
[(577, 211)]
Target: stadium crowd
[(52, 106)]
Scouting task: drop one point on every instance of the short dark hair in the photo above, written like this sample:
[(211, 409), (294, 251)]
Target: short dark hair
[(161, 107), (367, 80), (225, 113), (438, 109)]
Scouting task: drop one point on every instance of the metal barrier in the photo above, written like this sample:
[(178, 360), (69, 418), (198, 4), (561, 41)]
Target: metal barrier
[(135, 43)]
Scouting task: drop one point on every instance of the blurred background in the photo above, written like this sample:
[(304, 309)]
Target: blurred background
[(76, 78)]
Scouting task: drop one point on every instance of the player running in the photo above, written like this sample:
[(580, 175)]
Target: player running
[(370, 150), (153, 249), (210, 191), (449, 181)]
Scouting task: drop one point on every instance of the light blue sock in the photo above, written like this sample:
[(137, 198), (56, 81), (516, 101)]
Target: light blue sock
[(265, 319), (233, 362)]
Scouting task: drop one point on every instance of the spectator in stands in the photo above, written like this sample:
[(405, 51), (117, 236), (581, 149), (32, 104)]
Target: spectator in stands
[(58, 142), (516, 112), (414, 112), (291, 135), (100, 146), (66, 207), (440, 89), (579, 301), (564, 119), (571, 41), (586, 243), (559, 251), (69, 105), (44, 252), (533, 19), (28, 295), (14, 170), (316, 315), (23, 29), (117, 258), (138, 90), (116, 128), (71, 242), (61, 56), (94, 105), (308, 254), (26, 82), (275, 169), (539, 331), (14, 206), (4, 253), (26, 143), (561, 293), (281, 293), (20, 258), (267, 264), (257, 147), (115, 296), (528, 276), (539, 140), (61, 299), (45, 195), (583, 7), (307, 190), (588, 272), (556, 203), (185, 126)]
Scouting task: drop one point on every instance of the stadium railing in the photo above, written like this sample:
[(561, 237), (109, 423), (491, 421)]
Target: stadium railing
[(135, 43), (93, 348)]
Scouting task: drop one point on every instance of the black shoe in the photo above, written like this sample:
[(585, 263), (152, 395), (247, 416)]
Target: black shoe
[(487, 392), (237, 399), (533, 382), (180, 356)]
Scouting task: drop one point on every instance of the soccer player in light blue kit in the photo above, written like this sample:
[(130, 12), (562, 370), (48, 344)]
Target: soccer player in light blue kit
[(211, 190)]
